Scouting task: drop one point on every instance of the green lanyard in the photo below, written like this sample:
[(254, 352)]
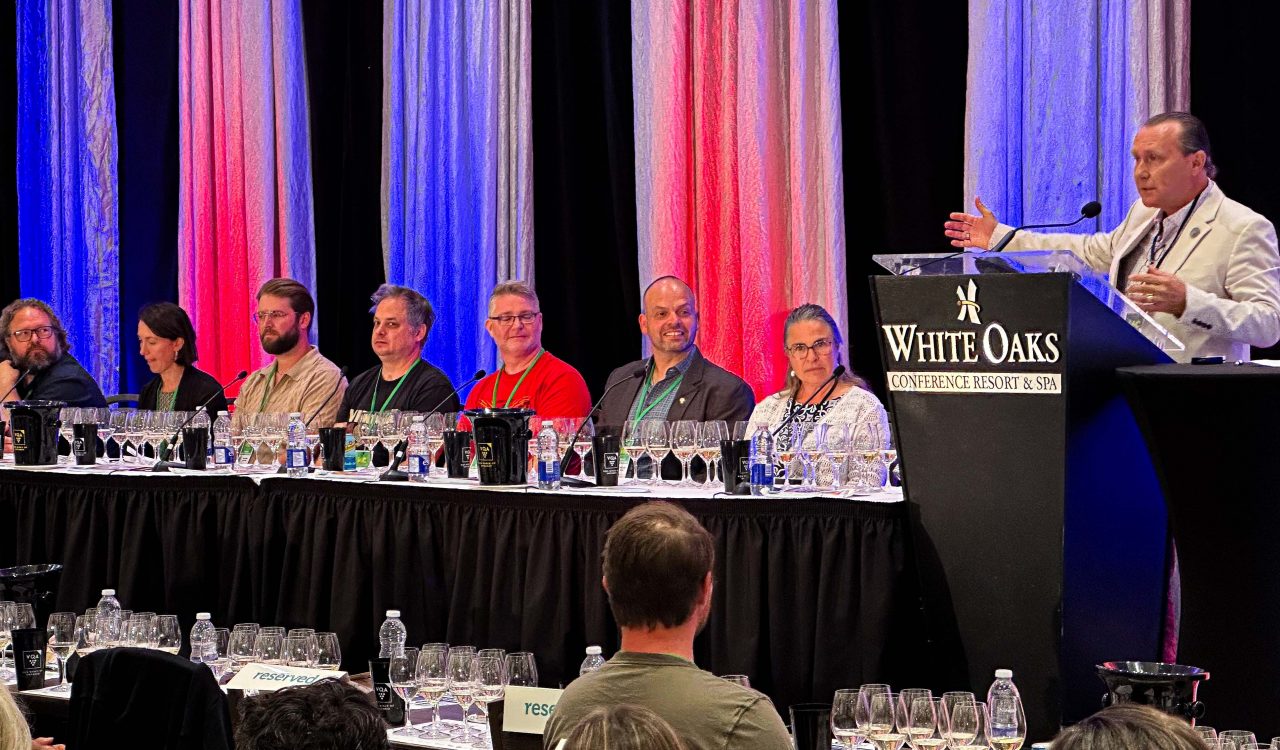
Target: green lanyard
[(373, 401), (644, 393), (523, 375), (271, 379)]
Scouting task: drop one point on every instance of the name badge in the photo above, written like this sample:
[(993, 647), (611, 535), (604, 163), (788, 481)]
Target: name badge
[(269, 677), (526, 709)]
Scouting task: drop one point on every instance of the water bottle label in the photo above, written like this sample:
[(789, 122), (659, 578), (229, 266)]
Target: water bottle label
[(349, 461), (222, 455), (417, 464), (297, 458), (762, 474), (548, 471)]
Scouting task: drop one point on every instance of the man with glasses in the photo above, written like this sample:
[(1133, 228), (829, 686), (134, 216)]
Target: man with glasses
[(529, 376), (299, 378), (679, 383), (35, 358)]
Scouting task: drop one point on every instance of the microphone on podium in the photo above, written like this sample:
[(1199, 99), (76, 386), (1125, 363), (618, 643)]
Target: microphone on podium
[(639, 372), (1087, 211)]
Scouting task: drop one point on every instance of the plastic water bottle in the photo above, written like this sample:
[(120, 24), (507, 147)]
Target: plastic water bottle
[(296, 454), (221, 443), (204, 642), (762, 461), (201, 421), (593, 661), (419, 454), (548, 457), (1003, 701), (107, 619), (391, 636)]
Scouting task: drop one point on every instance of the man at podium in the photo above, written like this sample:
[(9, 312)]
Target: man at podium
[(1204, 266)]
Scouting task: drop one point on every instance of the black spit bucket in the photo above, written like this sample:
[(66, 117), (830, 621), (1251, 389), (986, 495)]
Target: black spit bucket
[(502, 444), (36, 585), (1171, 688), (35, 431)]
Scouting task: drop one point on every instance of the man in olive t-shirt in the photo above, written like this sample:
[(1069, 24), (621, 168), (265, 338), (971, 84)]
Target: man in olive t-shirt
[(657, 573)]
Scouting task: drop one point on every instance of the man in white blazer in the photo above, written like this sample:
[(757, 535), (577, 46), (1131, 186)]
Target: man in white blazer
[(1204, 266)]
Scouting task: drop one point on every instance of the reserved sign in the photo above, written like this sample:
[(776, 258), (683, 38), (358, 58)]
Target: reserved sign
[(268, 677), (528, 708)]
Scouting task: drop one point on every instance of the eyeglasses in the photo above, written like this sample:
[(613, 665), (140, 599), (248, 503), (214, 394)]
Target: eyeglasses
[(819, 347), (43, 333), (507, 320), (272, 315)]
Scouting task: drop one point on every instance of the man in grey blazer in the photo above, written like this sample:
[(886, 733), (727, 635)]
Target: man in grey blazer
[(1204, 266), (678, 383)]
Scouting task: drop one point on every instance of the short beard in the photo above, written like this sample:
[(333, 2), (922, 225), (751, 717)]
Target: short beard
[(35, 360), (282, 343)]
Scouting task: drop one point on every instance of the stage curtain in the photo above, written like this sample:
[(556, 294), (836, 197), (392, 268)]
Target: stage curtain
[(739, 183), (457, 169), (1056, 92), (68, 233), (245, 209)]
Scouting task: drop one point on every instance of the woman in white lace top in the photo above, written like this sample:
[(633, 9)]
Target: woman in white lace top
[(814, 348)]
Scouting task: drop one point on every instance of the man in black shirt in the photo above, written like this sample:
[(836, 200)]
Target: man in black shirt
[(35, 343), (403, 380)]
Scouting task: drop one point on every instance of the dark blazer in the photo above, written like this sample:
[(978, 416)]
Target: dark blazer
[(707, 392), (193, 389)]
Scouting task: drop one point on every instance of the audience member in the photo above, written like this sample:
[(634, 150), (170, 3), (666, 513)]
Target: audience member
[(325, 715), (1129, 726)]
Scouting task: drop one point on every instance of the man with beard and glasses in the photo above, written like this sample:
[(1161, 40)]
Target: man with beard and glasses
[(657, 573), (35, 343), (299, 379), (679, 383)]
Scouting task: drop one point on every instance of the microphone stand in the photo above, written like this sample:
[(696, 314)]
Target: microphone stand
[(639, 372), (162, 465)]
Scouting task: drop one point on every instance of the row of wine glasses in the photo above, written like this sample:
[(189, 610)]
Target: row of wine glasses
[(956, 720), (646, 443), (69, 633), (1234, 739), (248, 642), (136, 434), (472, 677)]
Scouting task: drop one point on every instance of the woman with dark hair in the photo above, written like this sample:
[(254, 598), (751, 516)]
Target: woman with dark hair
[(813, 344), (167, 341)]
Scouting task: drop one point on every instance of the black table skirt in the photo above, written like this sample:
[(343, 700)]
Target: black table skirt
[(810, 595)]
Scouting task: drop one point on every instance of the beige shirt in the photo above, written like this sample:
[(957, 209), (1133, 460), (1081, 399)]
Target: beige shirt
[(303, 389)]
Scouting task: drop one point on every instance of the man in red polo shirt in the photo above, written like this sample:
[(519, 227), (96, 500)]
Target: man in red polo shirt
[(529, 376)]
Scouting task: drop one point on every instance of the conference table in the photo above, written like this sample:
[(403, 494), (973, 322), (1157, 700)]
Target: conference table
[(812, 592)]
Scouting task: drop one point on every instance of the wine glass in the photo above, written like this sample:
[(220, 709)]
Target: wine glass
[(391, 432), (844, 720), (61, 632), (630, 447), (1209, 734), (811, 451), (737, 679), (328, 651), (491, 684), (115, 428), (298, 651), (684, 443), (402, 673), (906, 698), (864, 446), (435, 438), (586, 431), (923, 724), (710, 434), (963, 724), (433, 682), (129, 434), (85, 634), (787, 441), (141, 630), (241, 648), (1236, 737), (657, 440), (461, 671), (888, 452), (564, 427), (268, 648), (1006, 723), (67, 418), (522, 669), (6, 617), (834, 439), (882, 718)]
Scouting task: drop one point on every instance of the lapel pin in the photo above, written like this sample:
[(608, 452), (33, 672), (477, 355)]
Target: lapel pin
[(1195, 232)]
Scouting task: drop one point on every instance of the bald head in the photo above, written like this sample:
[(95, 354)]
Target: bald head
[(670, 316)]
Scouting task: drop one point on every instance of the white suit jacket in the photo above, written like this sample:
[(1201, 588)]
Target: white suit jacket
[(1226, 255)]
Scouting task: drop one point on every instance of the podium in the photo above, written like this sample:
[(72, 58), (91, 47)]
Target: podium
[(1038, 521)]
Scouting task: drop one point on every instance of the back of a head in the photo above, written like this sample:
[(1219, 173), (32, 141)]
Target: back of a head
[(1129, 726), (623, 727), (656, 560), (326, 715)]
